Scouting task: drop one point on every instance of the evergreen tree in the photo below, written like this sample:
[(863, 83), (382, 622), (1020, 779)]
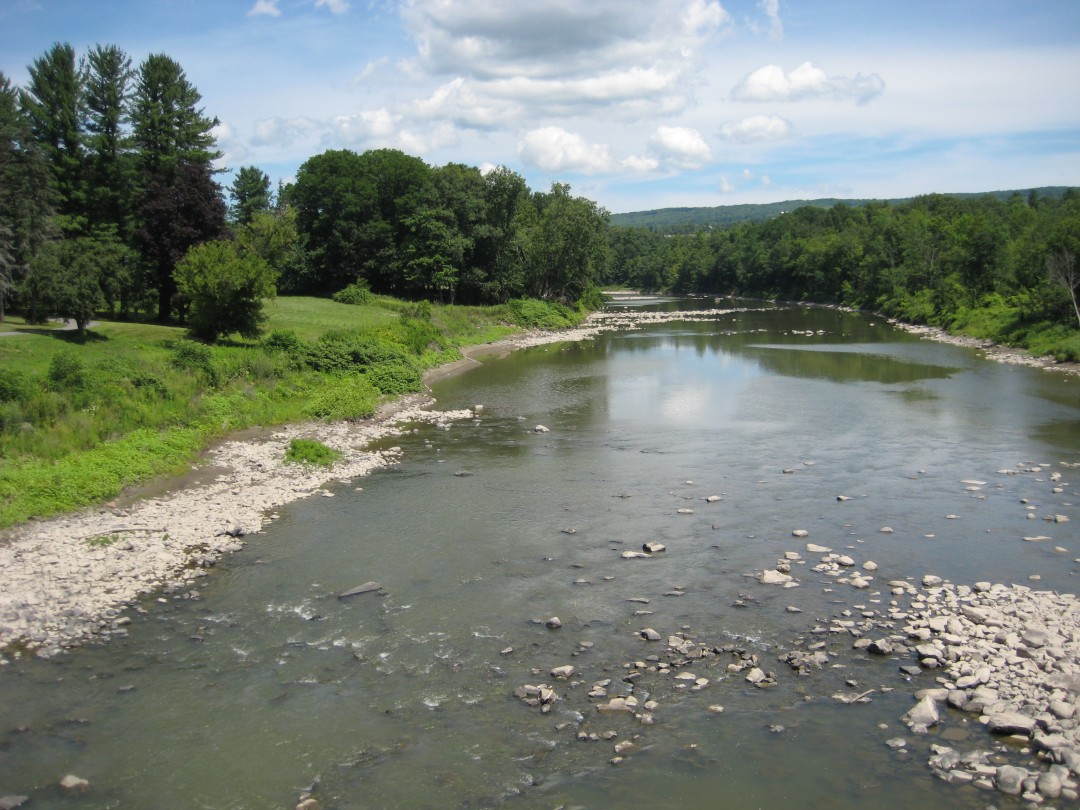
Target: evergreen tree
[(180, 205), (250, 194), (107, 73), (25, 194), (52, 103)]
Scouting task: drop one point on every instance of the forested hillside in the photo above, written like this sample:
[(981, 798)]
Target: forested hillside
[(1002, 269), (684, 220)]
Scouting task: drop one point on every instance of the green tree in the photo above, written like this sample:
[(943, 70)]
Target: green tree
[(25, 194), (177, 211), (226, 288), (250, 194), (180, 205), (566, 245), (52, 102), (68, 276), (106, 76)]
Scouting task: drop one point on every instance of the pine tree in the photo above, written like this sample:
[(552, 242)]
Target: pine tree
[(180, 205), (52, 104), (107, 73)]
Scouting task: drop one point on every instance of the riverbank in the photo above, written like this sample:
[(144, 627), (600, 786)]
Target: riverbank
[(67, 580), (992, 351)]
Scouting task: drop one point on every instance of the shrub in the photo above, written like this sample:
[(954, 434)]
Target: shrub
[(226, 288), (283, 340), (350, 397), (538, 314), (14, 385), (358, 293), (396, 377), (66, 372), (306, 451)]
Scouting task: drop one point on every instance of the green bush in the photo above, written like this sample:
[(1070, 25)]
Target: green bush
[(351, 397), (307, 451), (14, 385), (66, 372), (358, 293), (537, 314), (396, 377), (283, 340)]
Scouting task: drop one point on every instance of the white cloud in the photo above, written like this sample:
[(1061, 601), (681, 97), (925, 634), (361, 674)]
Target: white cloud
[(335, 6), (640, 164), (756, 128), (282, 131), (553, 149), (704, 15), (771, 9), (459, 102), (379, 125), (771, 83), (726, 186), (369, 69), (267, 7), (680, 147)]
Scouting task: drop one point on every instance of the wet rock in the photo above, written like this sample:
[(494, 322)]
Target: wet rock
[(649, 634), (309, 804), (540, 429), (554, 623), (367, 587), (771, 577), (1010, 779), (881, 646), (653, 547), (1010, 723), (12, 802), (814, 548), (800, 533), (564, 671), (924, 715), (74, 785)]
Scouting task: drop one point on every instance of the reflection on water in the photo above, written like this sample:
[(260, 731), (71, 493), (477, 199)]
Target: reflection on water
[(267, 685)]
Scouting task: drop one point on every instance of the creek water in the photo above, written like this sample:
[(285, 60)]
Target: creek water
[(268, 685)]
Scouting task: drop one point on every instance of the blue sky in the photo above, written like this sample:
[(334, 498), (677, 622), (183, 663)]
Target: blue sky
[(637, 104)]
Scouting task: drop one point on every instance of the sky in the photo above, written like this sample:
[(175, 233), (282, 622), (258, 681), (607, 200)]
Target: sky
[(636, 104)]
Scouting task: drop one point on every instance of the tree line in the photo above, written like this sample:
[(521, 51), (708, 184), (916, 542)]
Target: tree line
[(934, 259), (109, 203)]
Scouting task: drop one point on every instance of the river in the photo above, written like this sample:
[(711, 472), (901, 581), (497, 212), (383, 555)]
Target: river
[(267, 686)]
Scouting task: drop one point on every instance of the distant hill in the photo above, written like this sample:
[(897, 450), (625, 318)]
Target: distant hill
[(723, 216)]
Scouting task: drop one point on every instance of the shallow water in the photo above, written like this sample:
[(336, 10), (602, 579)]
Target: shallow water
[(267, 684)]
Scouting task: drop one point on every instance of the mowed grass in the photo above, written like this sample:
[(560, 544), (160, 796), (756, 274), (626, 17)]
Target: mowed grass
[(82, 420), (312, 317)]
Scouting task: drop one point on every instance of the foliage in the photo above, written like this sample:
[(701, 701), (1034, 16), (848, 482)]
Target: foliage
[(530, 312), (356, 294), (307, 451), (250, 194), (226, 290), (936, 259)]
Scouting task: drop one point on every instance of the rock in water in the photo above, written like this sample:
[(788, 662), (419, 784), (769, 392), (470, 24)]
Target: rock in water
[(924, 715), (73, 785), (367, 587)]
